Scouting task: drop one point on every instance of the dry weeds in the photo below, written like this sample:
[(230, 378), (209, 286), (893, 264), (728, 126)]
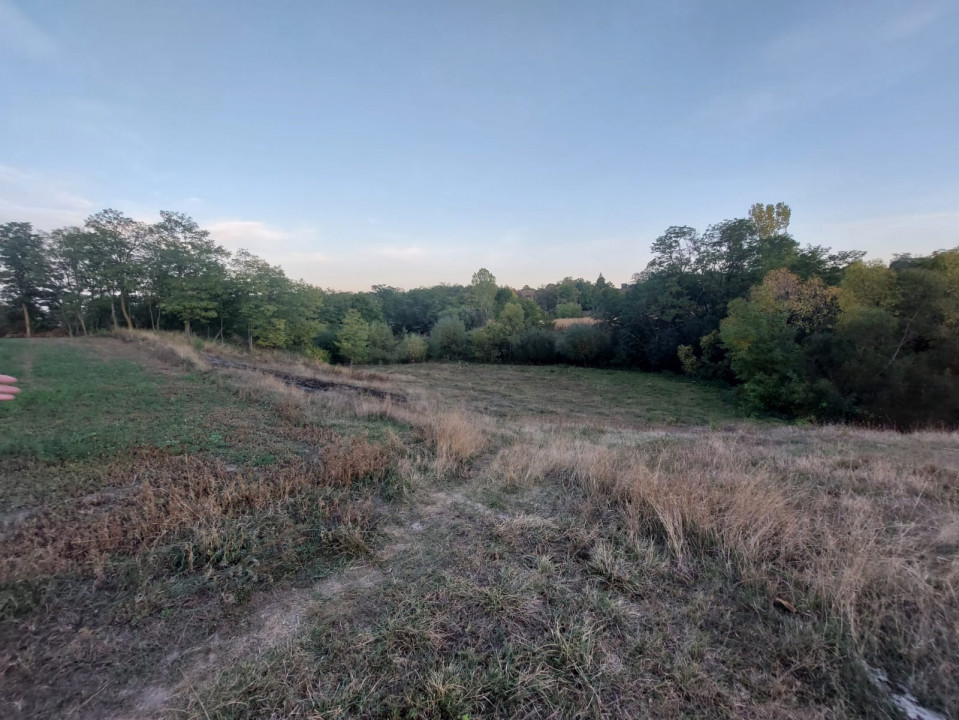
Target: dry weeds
[(175, 494), (850, 529), (869, 541)]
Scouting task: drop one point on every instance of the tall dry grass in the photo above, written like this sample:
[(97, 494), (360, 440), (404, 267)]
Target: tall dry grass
[(854, 541), (172, 347)]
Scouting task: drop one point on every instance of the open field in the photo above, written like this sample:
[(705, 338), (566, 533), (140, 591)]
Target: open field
[(184, 540), (563, 393)]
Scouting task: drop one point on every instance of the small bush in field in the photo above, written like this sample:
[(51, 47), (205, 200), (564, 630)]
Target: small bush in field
[(314, 352)]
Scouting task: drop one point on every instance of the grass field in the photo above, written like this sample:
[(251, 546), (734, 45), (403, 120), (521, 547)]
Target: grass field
[(604, 397), (455, 541)]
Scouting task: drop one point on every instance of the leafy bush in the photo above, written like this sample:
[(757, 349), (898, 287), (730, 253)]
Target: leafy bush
[(448, 339), (569, 310), (382, 344), (533, 345), (315, 352), (585, 344), (489, 343), (412, 348)]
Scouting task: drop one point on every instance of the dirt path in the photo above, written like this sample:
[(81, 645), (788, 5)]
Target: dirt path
[(278, 618), (275, 618)]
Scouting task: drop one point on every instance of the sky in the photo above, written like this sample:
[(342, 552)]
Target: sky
[(410, 143)]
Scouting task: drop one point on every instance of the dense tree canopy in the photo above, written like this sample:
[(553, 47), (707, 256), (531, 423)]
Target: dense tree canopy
[(799, 330)]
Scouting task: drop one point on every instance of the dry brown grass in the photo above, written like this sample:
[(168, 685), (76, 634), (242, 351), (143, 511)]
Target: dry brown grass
[(872, 542), (564, 323), (455, 435), (621, 568), (175, 348), (163, 495)]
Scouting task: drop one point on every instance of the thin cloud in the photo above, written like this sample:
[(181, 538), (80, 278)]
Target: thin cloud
[(293, 250), (44, 199), (247, 235)]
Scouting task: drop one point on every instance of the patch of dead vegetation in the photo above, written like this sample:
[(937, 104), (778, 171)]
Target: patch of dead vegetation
[(858, 541), (170, 494)]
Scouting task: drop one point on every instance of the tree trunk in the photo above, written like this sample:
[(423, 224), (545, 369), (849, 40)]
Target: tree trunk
[(26, 318), (82, 323), (152, 323), (902, 342), (126, 315), (249, 335), (186, 327), (113, 312)]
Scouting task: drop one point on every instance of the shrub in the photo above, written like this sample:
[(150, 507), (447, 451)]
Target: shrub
[(315, 352), (534, 346), (569, 310), (585, 344), (448, 339), (382, 344), (412, 348), (489, 343)]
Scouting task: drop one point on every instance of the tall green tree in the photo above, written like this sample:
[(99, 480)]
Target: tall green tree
[(25, 275), (483, 292), (353, 339), (257, 290), (119, 242), (448, 339), (382, 343), (73, 258), (190, 270)]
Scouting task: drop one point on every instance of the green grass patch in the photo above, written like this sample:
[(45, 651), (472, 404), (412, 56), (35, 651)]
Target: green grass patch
[(561, 392), (76, 405)]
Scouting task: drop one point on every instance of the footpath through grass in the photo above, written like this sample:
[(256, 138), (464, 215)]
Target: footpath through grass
[(455, 541), (145, 503)]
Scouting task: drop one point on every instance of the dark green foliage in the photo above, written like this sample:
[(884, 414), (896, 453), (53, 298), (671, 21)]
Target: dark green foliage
[(25, 276), (382, 344), (586, 345), (802, 330), (489, 343), (337, 304), (418, 310), (534, 345), (883, 348), (569, 310)]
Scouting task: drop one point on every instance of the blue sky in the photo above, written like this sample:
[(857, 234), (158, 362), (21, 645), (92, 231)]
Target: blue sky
[(409, 143)]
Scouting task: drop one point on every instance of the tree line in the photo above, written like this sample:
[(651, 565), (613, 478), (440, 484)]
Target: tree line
[(799, 330)]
